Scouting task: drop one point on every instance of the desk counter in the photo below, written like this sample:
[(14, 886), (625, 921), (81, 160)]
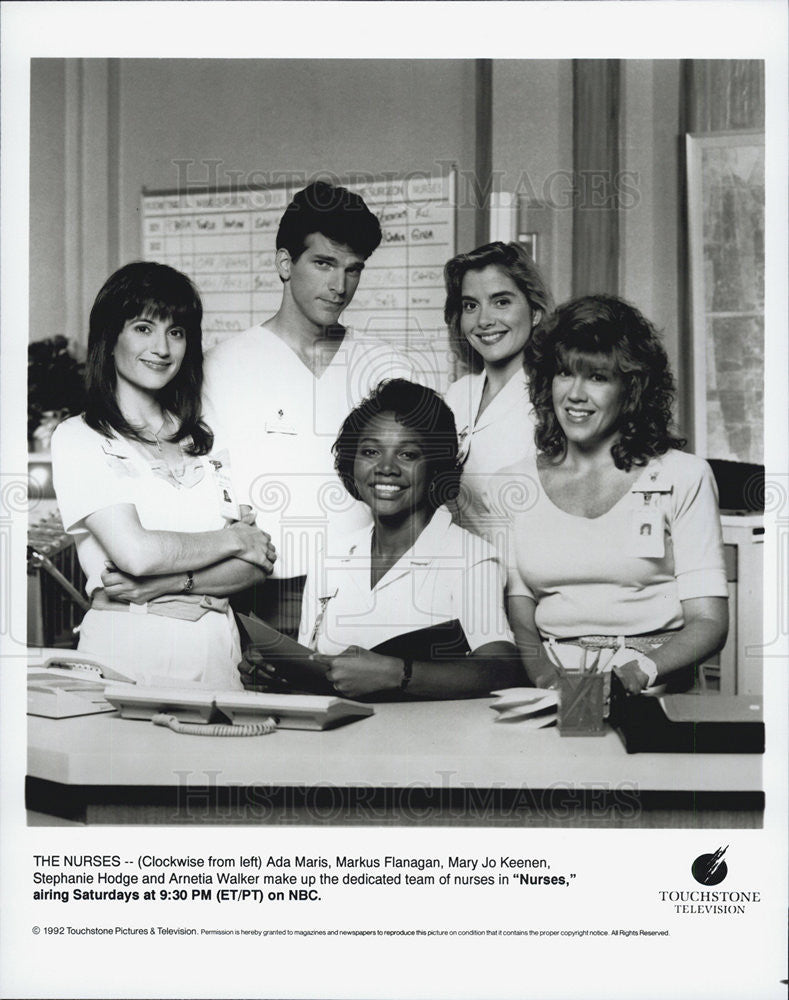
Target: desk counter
[(435, 754)]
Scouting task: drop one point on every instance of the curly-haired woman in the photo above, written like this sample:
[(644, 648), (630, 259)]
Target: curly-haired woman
[(618, 559)]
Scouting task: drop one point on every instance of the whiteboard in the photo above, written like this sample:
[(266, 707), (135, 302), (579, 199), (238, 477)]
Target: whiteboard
[(224, 240)]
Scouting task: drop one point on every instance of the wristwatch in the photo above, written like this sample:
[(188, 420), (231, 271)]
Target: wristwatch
[(188, 583)]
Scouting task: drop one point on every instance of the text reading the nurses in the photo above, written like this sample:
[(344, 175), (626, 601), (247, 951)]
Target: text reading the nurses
[(272, 878)]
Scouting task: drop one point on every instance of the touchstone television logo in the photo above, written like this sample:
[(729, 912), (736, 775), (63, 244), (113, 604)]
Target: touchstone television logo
[(710, 869)]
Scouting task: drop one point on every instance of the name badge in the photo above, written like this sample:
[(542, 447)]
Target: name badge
[(646, 529), (228, 505), (280, 423)]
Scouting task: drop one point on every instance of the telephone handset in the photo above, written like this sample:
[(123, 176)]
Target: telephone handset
[(62, 684)]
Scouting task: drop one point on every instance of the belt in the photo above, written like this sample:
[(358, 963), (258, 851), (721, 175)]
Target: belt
[(641, 643), (186, 607)]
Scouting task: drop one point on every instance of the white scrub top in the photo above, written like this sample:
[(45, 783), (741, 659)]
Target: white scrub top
[(500, 436)]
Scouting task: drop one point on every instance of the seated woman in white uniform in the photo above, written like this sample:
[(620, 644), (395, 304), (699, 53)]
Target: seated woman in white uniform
[(413, 569), (496, 297), (617, 558), (158, 533)]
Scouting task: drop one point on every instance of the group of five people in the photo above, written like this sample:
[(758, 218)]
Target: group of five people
[(543, 505)]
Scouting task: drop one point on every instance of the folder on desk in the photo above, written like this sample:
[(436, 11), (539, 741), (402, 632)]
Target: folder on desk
[(293, 661), (443, 641)]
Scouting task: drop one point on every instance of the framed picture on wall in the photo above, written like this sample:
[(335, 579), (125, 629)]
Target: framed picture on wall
[(725, 174)]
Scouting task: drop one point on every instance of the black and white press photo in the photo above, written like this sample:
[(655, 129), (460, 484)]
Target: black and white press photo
[(393, 543)]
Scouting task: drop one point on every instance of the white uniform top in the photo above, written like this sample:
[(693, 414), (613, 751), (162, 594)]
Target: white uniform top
[(500, 436), (280, 423), (625, 572), (448, 574), (92, 471)]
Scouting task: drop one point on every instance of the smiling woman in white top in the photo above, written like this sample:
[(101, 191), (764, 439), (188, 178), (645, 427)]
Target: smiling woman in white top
[(148, 499), (617, 556), (412, 570), (496, 298)]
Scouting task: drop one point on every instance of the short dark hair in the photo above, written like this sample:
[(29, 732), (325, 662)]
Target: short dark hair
[(418, 408), (155, 291), (604, 324), (337, 213), (518, 264)]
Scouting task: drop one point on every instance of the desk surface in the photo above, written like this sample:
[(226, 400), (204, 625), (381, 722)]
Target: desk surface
[(445, 745)]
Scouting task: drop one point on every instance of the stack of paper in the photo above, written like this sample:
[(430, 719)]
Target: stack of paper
[(533, 707)]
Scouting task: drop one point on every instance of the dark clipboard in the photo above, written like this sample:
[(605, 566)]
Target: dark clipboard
[(293, 661), (444, 641)]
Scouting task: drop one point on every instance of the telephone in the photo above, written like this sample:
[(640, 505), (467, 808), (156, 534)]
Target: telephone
[(62, 684), (229, 713)]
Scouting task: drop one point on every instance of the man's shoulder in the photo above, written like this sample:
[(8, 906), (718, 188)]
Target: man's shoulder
[(238, 347)]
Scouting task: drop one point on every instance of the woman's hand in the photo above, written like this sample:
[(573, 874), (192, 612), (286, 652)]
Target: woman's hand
[(633, 678), (255, 545), (127, 589), (543, 671), (356, 672), (257, 674)]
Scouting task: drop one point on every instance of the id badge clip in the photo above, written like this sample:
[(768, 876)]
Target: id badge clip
[(228, 505)]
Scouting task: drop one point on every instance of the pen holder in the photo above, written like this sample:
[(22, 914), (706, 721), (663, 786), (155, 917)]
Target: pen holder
[(581, 704)]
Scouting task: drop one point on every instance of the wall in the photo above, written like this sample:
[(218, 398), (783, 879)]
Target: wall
[(47, 198), (533, 147), (650, 220), (110, 128), (102, 130)]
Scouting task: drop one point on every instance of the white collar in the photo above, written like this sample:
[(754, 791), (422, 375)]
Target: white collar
[(516, 386), (429, 545)]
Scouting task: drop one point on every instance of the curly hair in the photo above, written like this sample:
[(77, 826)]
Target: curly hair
[(154, 291), (604, 324), (513, 259), (421, 410)]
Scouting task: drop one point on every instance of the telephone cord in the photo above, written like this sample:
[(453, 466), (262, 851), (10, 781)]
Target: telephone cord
[(195, 729)]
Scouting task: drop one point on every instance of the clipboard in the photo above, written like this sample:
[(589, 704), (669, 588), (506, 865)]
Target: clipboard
[(294, 662)]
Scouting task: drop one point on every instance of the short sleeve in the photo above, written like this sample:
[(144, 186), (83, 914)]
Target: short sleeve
[(516, 585), (86, 477), (696, 535), (483, 618)]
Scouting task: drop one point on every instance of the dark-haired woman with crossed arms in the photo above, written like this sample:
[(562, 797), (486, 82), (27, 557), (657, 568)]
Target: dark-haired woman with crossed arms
[(146, 495)]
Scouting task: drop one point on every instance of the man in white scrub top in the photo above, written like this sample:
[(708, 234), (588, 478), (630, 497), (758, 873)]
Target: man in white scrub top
[(280, 391)]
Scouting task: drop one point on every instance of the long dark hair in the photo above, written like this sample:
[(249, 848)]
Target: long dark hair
[(419, 409), (603, 324), (514, 260), (154, 291)]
